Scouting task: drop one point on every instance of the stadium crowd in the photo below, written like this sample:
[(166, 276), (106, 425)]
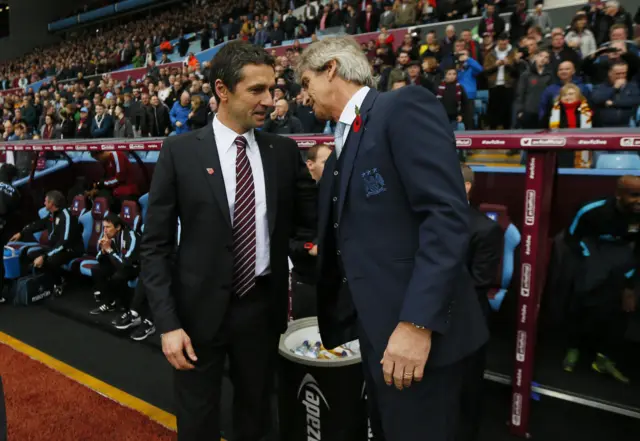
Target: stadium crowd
[(535, 75)]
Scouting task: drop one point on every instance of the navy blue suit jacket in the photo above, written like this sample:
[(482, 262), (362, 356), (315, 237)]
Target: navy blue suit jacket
[(402, 231)]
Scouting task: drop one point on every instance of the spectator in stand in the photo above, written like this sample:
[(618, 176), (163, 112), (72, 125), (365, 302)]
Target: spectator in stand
[(598, 65), (83, 128), (453, 97), (276, 36), (303, 110), (432, 73), (491, 23), (471, 46), (566, 74), (608, 17), (531, 86), (616, 101), (449, 10), (289, 24), (500, 69), (123, 127), (197, 117), (281, 122), (351, 21), (67, 124), (580, 37), (158, 118), (405, 14), (539, 18), (49, 130), (415, 77), (446, 45), (560, 52), (310, 16), (429, 40), (102, 123), (468, 69), (180, 114), (387, 18), (368, 20), (518, 22)]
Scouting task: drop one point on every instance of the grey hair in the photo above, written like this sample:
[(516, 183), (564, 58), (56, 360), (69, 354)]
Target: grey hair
[(352, 64)]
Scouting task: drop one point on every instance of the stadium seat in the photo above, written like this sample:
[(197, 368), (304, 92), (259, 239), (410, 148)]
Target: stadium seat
[(130, 215), (78, 205), (144, 205), (511, 241), (622, 160), (92, 231)]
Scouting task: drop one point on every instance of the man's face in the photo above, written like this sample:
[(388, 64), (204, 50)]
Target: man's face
[(557, 42), (282, 108), (49, 205), (618, 35), (99, 110), (466, 36), (109, 229), (403, 59), (451, 76), (155, 102), (319, 90), (502, 44), (618, 72), (413, 71), (317, 167), (248, 102), (490, 10), (145, 99), (542, 59), (565, 71), (629, 197)]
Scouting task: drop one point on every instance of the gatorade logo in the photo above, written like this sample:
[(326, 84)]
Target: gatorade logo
[(311, 398)]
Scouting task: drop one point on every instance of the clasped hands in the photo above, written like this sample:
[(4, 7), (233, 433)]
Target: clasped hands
[(406, 355)]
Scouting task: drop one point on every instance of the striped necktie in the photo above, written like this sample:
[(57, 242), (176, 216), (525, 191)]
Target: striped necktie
[(244, 224)]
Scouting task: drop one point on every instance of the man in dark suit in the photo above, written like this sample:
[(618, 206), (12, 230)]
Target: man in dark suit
[(241, 195), (483, 262), (392, 239)]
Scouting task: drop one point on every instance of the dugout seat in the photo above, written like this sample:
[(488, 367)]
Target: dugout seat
[(130, 215), (78, 206), (500, 214), (144, 205), (91, 232)]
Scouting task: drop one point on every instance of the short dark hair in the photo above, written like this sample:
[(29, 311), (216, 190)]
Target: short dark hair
[(113, 219), (227, 64), (8, 173), (312, 153), (57, 198)]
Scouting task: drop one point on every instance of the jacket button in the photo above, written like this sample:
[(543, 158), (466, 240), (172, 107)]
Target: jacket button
[(335, 173), (344, 280), (335, 199), (335, 225), (338, 252)]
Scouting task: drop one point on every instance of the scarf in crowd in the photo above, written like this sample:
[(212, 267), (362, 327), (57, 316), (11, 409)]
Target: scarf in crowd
[(99, 119), (443, 87), (570, 115)]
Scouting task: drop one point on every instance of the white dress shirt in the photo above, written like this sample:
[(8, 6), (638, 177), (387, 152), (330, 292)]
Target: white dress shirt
[(348, 116), (227, 152)]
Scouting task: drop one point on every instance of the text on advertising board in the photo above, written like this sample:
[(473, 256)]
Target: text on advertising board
[(525, 280), (530, 215)]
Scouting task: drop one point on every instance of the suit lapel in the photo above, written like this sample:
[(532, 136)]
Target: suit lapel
[(210, 161), (350, 149), (267, 153)]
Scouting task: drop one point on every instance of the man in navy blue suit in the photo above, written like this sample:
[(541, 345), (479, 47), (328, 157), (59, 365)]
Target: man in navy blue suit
[(392, 242)]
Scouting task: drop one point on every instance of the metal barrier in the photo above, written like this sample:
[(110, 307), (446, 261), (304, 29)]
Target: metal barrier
[(541, 149)]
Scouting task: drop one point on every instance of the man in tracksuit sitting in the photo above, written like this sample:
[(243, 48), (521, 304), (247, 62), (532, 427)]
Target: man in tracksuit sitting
[(118, 263), (64, 240)]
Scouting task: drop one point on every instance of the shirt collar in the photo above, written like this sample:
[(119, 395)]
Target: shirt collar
[(225, 137), (349, 111)]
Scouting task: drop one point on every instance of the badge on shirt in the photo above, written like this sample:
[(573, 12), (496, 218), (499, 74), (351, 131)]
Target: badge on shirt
[(210, 171)]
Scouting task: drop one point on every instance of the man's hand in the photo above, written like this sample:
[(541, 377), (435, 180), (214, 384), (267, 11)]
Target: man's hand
[(105, 244), (274, 115), (38, 262), (620, 82), (178, 124), (174, 346), (15, 237), (406, 355), (628, 300), (313, 251)]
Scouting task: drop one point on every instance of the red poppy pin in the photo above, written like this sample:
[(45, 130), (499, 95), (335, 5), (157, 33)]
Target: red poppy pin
[(357, 123), (210, 171)]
